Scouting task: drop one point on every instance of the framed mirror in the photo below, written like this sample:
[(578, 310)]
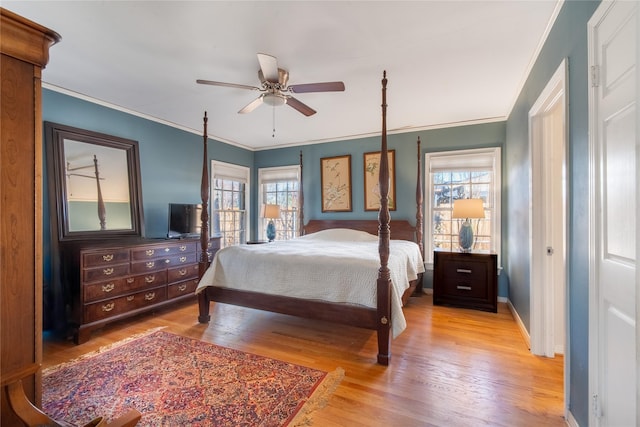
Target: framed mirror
[(94, 184)]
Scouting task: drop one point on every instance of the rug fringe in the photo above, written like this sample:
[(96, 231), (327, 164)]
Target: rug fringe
[(102, 349), (319, 398)]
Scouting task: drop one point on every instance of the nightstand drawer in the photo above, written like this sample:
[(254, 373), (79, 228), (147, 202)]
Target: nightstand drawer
[(466, 278)]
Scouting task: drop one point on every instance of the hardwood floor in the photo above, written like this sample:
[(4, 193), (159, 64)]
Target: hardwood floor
[(451, 367)]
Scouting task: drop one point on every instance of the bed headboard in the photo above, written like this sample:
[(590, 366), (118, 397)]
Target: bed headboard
[(400, 229)]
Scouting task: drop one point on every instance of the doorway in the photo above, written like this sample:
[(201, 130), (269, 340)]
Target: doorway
[(548, 213)]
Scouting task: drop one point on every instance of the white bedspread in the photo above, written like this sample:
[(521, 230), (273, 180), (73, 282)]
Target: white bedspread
[(338, 265)]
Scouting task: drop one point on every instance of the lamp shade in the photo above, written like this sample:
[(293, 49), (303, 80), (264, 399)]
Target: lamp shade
[(271, 211), (468, 208)]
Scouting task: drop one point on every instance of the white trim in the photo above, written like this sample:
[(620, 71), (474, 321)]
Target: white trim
[(277, 172), (87, 98), (496, 192), (570, 420), (541, 287), (233, 171), (520, 323)]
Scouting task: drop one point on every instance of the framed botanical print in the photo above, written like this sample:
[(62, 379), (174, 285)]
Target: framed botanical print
[(371, 180), (335, 179)]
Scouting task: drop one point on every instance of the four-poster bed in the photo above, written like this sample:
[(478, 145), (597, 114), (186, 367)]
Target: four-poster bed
[(382, 314)]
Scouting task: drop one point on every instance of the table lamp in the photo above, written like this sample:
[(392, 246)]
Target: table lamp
[(467, 209), (271, 212)]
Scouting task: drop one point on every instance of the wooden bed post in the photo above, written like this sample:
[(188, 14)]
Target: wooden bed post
[(203, 262), (384, 276), (301, 201), (418, 290)]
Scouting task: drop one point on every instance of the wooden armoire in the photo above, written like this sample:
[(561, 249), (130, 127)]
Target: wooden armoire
[(24, 46)]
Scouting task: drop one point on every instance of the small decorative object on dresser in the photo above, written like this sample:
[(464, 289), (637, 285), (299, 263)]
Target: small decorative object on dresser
[(468, 280)]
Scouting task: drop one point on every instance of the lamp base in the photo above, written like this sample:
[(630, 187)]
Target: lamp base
[(465, 238), (271, 231)]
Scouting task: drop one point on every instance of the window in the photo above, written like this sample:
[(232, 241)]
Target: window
[(456, 175), (229, 202), (280, 186)]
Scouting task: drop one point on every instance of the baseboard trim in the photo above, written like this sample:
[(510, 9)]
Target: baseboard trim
[(571, 421), (521, 327)]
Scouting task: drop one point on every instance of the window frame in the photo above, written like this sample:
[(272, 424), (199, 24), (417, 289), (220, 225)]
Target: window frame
[(272, 174), (454, 158), (231, 171)]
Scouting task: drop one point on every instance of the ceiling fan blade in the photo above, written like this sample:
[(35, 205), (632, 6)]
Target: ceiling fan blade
[(317, 87), (303, 108), (252, 105), (269, 67), (211, 82)]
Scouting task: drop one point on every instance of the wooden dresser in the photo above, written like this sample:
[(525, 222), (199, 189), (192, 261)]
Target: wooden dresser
[(468, 280), (25, 51), (110, 281)]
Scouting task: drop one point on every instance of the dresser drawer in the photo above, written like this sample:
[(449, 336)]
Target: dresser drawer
[(179, 289), (162, 251), (181, 260), (105, 258), (125, 285), (113, 307), (105, 273), (150, 265), (178, 274)]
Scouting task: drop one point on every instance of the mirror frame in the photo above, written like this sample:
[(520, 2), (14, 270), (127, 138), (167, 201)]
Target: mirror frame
[(55, 135)]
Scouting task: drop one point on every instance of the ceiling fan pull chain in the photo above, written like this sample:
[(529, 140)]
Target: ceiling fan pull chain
[(273, 135)]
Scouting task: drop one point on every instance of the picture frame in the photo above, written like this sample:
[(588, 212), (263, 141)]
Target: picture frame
[(335, 181), (371, 180)]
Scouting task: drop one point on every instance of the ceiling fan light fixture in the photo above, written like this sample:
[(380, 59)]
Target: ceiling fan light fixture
[(274, 99)]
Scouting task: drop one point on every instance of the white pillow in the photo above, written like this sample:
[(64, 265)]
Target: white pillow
[(341, 235)]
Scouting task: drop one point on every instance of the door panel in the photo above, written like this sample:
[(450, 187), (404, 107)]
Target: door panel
[(613, 50)]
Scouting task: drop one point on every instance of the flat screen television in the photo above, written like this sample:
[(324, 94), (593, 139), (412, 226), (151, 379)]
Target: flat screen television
[(184, 220)]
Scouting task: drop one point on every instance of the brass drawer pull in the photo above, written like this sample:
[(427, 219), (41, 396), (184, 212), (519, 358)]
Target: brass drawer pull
[(183, 258), (182, 288), (182, 271), (130, 298), (463, 288), (183, 248), (150, 252), (108, 307), (150, 279), (130, 280), (150, 264), (108, 271), (108, 287), (107, 258), (149, 296), (463, 270)]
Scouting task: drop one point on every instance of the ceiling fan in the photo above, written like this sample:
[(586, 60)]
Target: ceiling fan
[(275, 89)]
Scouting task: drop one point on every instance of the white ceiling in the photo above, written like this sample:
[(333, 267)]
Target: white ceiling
[(447, 62)]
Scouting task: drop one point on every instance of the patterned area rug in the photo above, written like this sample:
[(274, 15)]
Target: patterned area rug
[(177, 381)]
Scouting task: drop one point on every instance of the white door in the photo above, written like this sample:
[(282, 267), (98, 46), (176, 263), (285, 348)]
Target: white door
[(548, 213), (613, 38)]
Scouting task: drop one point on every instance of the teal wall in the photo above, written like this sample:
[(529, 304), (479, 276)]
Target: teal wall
[(567, 39)]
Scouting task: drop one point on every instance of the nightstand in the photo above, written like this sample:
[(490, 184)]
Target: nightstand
[(468, 280)]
